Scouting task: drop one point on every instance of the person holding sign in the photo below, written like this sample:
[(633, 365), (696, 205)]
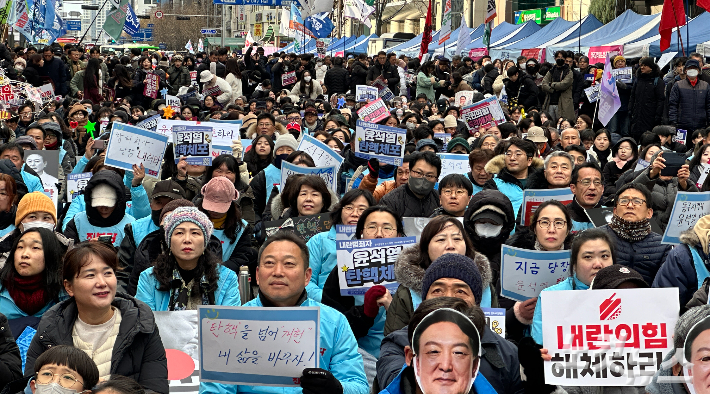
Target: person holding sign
[(417, 198), (282, 276), (189, 274)]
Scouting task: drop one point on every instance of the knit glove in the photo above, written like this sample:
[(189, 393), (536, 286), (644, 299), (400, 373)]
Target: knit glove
[(371, 296), (320, 381), (374, 167), (236, 147)]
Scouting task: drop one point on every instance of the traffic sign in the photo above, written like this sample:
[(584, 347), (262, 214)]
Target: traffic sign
[(73, 25), (163, 46), (159, 14), (211, 31)]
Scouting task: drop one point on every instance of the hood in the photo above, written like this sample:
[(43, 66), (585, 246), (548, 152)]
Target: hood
[(632, 142), (280, 130), (350, 160), (277, 207), (497, 163), (488, 197), (114, 180), (690, 238)]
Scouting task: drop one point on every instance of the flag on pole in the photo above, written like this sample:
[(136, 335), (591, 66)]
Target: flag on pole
[(358, 10), (491, 11), (116, 20), (445, 32), (248, 41), (464, 37), (672, 15), (488, 27), (132, 25), (426, 36), (200, 47), (609, 101), (189, 48), (311, 7)]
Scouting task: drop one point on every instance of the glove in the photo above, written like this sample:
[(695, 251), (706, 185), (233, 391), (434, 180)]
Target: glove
[(374, 167), (533, 367), (371, 296), (320, 381), (236, 147)]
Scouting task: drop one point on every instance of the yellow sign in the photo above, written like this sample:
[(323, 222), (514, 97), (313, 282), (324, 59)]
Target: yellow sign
[(257, 30)]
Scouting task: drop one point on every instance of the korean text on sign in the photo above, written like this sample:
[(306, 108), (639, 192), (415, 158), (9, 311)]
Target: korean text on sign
[(374, 111), (365, 94), (688, 208), (607, 337), (363, 264), (453, 164), (327, 173), (131, 145), (193, 142), (150, 89), (525, 273), (258, 346), (533, 198), (484, 114), (379, 141), (76, 183)]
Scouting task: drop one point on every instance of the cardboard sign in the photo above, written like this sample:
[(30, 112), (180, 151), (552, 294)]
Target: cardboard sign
[(373, 111), (323, 156), (532, 198), (76, 183), (607, 337), (130, 145), (363, 264), (495, 319), (597, 54), (380, 141), (365, 94), (484, 114), (463, 98), (306, 227), (525, 273), (288, 78), (623, 74), (453, 164), (329, 174), (258, 345), (46, 164), (173, 102), (688, 208), (193, 142), (150, 89)]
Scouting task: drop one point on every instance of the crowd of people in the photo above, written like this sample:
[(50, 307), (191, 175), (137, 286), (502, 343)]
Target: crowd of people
[(82, 276)]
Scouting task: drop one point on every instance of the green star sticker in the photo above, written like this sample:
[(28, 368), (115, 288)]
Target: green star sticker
[(90, 128)]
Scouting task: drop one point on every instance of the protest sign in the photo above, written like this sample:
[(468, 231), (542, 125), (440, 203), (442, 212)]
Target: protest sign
[(666, 58), (607, 337), (193, 142), (179, 333), (592, 93), (453, 164), (410, 77), (329, 174), (464, 98), (688, 208), (288, 78), (680, 136), (6, 93), (532, 198), (76, 183), (444, 137), (322, 155), (257, 345), (345, 232), (365, 94), (380, 141), (363, 264), (306, 227), (386, 94), (538, 54), (149, 123), (622, 74), (46, 92), (222, 133), (130, 145), (219, 150), (597, 54), (373, 111), (172, 101), (193, 78), (641, 164), (525, 273), (703, 175), (477, 53), (150, 89), (495, 319), (484, 114), (46, 164)]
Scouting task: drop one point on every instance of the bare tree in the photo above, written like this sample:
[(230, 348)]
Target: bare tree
[(381, 5), (175, 33)]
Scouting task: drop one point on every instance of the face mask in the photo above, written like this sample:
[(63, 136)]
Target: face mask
[(411, 125), (279, 159), (19, 67), (53, 388), (420, 186), (692, 73), (560, 62), (155, 216), (419, 380), (319, 65), (400, 113), (487, 230), (307, 78), (89, 111), (522, 66), (38, 224)]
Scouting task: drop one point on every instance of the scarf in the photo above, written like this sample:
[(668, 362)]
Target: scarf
[(219, 222), (539, 247), (630, 231), (53, 146), (29, 293), (602, 154), (182, 292), (702, 229)]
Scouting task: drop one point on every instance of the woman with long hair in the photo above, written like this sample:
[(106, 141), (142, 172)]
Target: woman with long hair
[(93, 81), (426, 81), (259, 155), (307, 87), (121, 82), (234, 78)]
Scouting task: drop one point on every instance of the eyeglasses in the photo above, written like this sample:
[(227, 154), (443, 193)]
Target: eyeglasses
[(516, 154), (386, 229), (545, 223), (589, 182), (66, 380), (402, 172), (627, 148), (458, 192), (635, 200), (420, 174), (350, 209), (268, 125), (293, 119)]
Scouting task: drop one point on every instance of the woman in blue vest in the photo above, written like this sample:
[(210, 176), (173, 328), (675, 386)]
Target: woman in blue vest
[(8, 203), (187, 276), (227, 166), (264, 181), (105, 216), (220, 202)]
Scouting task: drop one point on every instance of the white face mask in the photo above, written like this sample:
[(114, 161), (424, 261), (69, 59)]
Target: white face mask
[(693, 73), (522, 66), (411, 125), (307, 78), (38, 224), (487, 230), (53, 388)]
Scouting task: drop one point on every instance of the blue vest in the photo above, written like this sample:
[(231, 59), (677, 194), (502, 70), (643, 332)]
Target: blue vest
[(33, 183), (701, 271), (227, 246), (371, 342), (273, 177), (87, 231), (581, 226), (141, 228)]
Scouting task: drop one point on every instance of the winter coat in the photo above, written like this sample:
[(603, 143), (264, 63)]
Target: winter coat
[(275, 208), (662, 382), (499, 363), (387, 71), (663, 194), (680, 269), (32, 75), (278, 131), (10, 361), (220, 89), (571, 283), (255, 164), (138, 86), (488, 81), (337, 80), (689, 106), (645, 256), (236, 84), (405, 383), (580, 220), (410, 275), (506, 183), (426, 86), (120, 90), (646, 102), (611, 174), (322, 258), (313, 94), (57, 71), (177, 78), (338, 355), (351, 162), (562, 87), (462, 86), (525, 90), (404, 203), (358, 76), (137, 354)]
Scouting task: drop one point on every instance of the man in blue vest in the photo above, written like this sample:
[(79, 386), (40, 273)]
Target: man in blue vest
[(16, 153), (163, 193), (282, 276)]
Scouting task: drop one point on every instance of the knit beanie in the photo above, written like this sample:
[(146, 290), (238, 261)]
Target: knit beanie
[(426, 142), (33, 202), (456, 141), (457, 266), (172, 205), (187, 214), (285, 140)]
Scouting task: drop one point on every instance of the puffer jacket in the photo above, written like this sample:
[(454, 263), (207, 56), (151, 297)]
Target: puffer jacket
[(646, 101), (358, 76), (404, 203), (410, 276), (137, 354), (689, 106), (488, 81), (499, 363), (177, 78), (679, 269), (506, 183), (10, 361), (525, 90), (663, 194), (645, 256), (337, 80), (580, 219), (279, 130)]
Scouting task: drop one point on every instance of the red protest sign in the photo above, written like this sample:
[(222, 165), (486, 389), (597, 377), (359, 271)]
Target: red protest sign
[(6, 93), (150, 89), (538, 54), (597, 54), (374, 111), (288, 78)]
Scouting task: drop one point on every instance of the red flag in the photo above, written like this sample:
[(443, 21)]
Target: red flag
[(673, 15), (704, 4), (426, 36)]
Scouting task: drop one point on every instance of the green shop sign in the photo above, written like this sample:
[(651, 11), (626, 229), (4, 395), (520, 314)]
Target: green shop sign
[(540, 15)]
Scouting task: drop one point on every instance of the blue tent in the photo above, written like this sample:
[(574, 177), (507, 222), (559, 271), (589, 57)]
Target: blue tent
[(558, 28), (413, 45), (343, 44), (522, 32), (499, 33), (360, 46), (450, 44), (338, 43)]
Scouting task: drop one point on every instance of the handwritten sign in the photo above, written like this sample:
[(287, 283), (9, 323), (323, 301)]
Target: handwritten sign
[(131, 145), (306, 227), (322, 155), (622, 74), (149, 123), (373, 111), (365, 94), (193, 142), (532, 198), (484, 114), (258, 345), (150, 89), (688, 208), (453, 164), (380, 141), (288, 78), (172, 101), (597, 54), (363, 264), (464, 98), (76, 183), (525, 273), (223, 135), (329, 174), (495, 319), (607, 337)]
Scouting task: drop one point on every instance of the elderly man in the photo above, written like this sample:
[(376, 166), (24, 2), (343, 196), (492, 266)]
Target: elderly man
[(689, 101), (478, 176), (568, 137), (556, 174), (587, 186), (178, 75)]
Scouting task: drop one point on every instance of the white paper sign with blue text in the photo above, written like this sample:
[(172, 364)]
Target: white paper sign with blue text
[(327, 173), (525, 273), (224, 133), (322, 155), (380, 141), (76, 183), (495, 319), (258, 346), (365, 94), (345, 232), (363, 264), (130, 145), (688, 208), (453, 164)]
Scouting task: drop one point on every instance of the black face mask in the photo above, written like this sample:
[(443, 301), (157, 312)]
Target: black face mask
[(155, 216), (560, 62)]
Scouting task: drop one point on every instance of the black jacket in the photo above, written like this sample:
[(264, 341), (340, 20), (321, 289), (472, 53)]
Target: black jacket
[(32, 75), (388, 72), (351, 162), (10, 361), (524, 89), (57, 71), (488, 81), (404, 203), (337, 80), (137, 354), (646, 102), (358, 76), (688, 105), (645, 256), (359, 322)]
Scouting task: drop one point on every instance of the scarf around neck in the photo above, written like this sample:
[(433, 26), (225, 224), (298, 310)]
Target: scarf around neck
[(29, 293), (630, 231)]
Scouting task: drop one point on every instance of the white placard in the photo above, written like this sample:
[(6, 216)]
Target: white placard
[(76, 183), (322, 155), (329, 174), (130, 145), (173, 102), (665, 59), (453, 164), (688, 208), (525, 273), (223, 133), (365, 94)]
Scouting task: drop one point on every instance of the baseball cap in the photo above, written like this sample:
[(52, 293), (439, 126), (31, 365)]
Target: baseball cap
[(536, 134), (168, 188), (613, 276), (218, 194)]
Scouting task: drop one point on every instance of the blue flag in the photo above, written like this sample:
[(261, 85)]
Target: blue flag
[(320, 25), (132, 26)]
